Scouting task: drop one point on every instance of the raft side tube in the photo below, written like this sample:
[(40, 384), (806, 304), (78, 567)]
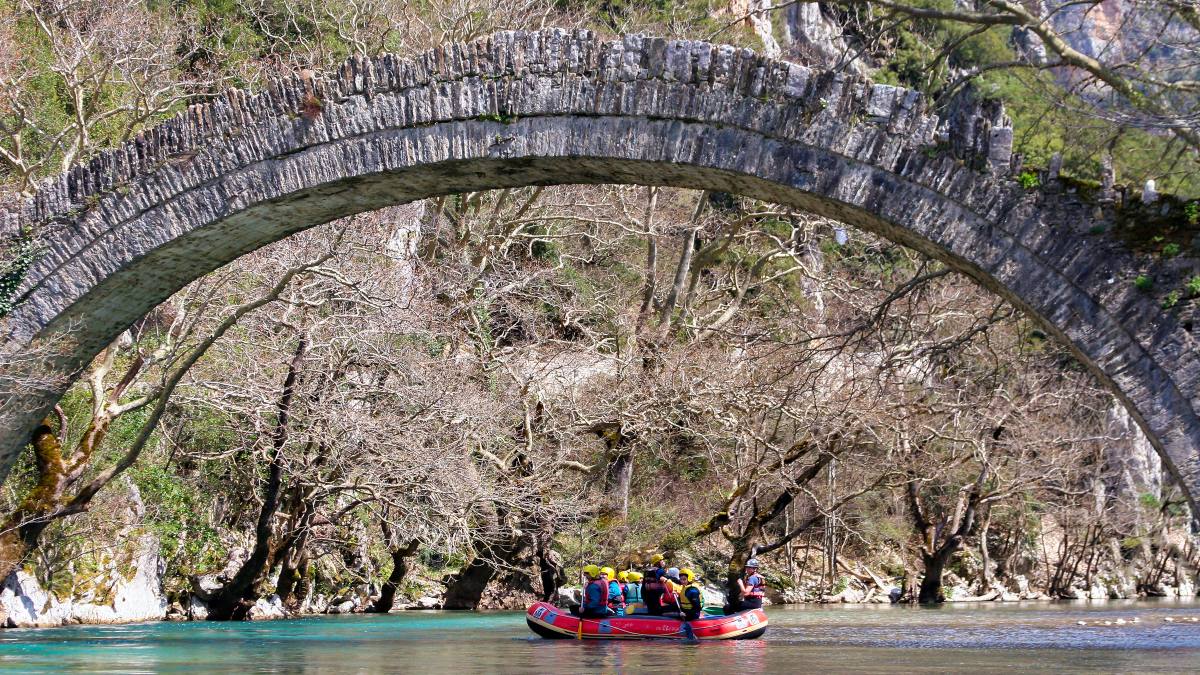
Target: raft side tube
[(551, 622)]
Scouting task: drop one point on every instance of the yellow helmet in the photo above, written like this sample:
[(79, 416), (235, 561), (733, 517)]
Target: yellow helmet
[(685, 572), (656, 558), (623, 576), (607, 572), (635, 577), (591, 571)]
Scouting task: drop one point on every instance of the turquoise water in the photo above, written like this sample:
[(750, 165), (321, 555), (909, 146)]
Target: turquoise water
[(988, 637)]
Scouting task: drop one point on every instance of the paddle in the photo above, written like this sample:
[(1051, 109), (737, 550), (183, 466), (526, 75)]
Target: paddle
[(689, 635)]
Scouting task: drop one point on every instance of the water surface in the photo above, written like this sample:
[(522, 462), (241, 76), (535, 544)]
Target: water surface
[(981, 637)]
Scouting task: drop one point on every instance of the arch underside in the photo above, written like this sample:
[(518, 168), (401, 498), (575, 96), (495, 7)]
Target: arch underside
[(113, 262)]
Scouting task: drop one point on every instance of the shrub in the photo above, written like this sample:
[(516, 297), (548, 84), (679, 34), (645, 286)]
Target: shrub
[(1143, 282)]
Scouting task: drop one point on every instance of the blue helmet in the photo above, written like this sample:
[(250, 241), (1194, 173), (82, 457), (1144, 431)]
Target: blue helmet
[(753, 562), (673, 574)]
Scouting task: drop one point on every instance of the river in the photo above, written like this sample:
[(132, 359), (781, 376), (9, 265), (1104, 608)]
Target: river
[(955, 638)]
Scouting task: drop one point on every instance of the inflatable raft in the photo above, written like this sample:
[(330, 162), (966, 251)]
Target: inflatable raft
[(549, 621)]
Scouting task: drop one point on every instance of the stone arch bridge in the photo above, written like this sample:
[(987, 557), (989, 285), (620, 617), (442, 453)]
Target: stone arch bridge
[(121, 234)]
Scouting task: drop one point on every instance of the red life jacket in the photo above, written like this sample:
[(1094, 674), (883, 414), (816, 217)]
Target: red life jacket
[(669, 599), (603, 595)]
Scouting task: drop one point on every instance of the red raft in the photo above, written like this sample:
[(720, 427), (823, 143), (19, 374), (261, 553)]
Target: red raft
[(549, 621)]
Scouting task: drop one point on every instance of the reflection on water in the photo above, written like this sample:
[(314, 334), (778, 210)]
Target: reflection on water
[(870, 638)]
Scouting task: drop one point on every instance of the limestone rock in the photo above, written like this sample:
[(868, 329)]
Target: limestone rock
[(139, 598), (267, 608), (569, 595)]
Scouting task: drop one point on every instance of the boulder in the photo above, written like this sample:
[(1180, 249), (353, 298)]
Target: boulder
[(25, 605), (427, 602), (175, 612), (345, 607), (569, 595), (197, 609), (206, 586), (139, 598), (267, 608)]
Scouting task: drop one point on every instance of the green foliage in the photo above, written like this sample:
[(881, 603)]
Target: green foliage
[(173, 513), (1193, 286), (1191, 211), (1150, 500), (1171, 250), (1171, 300), (1143, 282), (1029, 180), (20, 255)]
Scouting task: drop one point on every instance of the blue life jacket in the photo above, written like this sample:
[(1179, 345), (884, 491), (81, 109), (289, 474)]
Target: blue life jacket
[(633, 592), (616, 598)]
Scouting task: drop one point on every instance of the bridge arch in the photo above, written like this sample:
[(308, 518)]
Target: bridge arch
[(124, 232)]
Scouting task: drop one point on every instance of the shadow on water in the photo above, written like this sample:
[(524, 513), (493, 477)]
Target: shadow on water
[(984, 637)]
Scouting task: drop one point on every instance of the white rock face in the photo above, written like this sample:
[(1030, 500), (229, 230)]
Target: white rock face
[(197, 610), (569, 595), (1138, 466), (141, 598), (428, 602), (714, 596), (267, 608), (25, 604)]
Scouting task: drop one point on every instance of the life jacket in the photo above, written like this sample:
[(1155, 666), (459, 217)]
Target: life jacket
[(652, 592), (670, 594), (616, 595), (686, 603), (757, 586), (633, 592), (595, 596)]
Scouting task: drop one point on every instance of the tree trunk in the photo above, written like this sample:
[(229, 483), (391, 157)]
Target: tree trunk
[(743, 550), (549, 565), (985, 572), (400, 557), (620, 479), (234, 600), (931, 583), (24, 526), (464, 590)]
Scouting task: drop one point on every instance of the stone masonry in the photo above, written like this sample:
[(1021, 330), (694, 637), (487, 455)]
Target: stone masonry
[(121, 234)]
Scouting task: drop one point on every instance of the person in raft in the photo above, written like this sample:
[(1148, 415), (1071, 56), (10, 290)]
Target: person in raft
[(623, 582), (633, 589), (753, 587), (653, 588), (671, 589), (691, 595), (595, 594), (616, 595)]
